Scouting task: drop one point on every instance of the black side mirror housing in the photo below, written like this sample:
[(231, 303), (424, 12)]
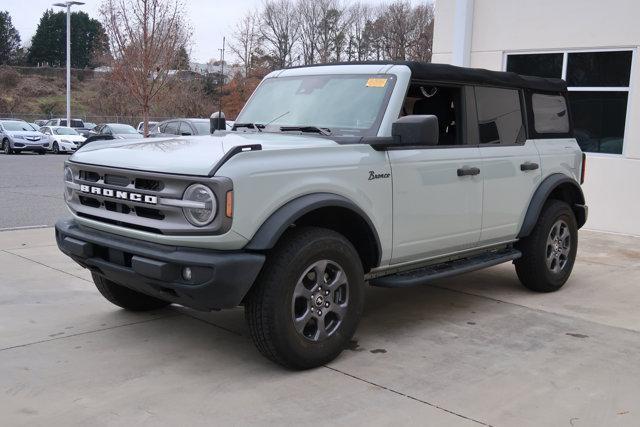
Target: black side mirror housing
[(415, 130), (217, 122)]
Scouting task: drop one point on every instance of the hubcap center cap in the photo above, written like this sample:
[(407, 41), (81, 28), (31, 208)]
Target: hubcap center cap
[(319, 300)]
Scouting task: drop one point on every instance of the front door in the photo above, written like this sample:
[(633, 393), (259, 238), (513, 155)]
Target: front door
[(437, 190)]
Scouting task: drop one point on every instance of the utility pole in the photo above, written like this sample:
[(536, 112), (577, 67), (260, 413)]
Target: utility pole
[(221, 83), (68, 5)]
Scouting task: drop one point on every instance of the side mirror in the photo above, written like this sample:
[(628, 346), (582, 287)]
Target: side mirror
[(217, 122), (415, 130)]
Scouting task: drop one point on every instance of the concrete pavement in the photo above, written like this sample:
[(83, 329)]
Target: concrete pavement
[(474, 350), (31, 190)]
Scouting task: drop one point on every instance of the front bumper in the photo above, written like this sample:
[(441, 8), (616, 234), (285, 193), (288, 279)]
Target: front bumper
[(220, 279)]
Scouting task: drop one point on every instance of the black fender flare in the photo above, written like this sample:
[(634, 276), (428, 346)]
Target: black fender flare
[(272, 229), (540, 196)]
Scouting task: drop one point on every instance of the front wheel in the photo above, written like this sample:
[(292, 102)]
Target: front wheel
[(308, 299), (125, 297), (6, 147), (56, 149), (549, 252)]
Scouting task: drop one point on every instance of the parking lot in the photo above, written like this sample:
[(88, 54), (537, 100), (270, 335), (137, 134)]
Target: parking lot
[(31, 190), (476, 349)]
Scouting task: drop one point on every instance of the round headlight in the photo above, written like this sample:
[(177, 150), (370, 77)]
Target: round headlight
[(202, 194), (68, 177), (68, 174)]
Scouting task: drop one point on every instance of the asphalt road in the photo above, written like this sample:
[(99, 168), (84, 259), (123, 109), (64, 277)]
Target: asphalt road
[(31, 190)]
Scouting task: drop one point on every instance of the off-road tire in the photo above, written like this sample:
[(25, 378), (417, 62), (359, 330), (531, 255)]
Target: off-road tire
[(125, 297), (268, 307), (532, 268)]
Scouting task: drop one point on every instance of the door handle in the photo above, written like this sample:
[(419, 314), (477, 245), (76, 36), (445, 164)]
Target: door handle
[(529, 166), (466, 170)]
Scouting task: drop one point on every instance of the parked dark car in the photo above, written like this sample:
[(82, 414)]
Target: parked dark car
[(117, 130), (181, 127)]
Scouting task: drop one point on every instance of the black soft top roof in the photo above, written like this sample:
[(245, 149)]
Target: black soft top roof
[(446, 73)]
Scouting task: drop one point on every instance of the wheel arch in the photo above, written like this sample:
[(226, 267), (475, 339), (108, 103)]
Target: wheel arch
[(326, 210), (558, 187)]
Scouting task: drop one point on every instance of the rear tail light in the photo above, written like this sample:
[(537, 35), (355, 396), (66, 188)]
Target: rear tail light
[(584, 168)]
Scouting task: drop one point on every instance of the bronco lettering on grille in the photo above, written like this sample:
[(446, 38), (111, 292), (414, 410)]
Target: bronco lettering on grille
[(122, 195)]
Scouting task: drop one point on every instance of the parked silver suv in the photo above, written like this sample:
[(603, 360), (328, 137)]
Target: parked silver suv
[(17, 136), (395, 174)]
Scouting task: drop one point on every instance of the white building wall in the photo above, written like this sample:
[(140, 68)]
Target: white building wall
[(518, 26)]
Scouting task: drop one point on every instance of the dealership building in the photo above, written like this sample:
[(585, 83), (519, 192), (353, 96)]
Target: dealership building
[(593, 46)]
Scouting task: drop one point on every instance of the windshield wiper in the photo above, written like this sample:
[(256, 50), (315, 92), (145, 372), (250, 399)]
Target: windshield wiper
[(256, 126), (311, 129)]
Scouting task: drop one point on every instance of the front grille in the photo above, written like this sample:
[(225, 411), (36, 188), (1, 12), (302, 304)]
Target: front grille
[(89, 176), (148, 184), (89, 201), (117, 180), (156, 214)]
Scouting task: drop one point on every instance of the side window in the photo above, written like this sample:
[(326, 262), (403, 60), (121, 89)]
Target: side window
[(185, 129), (444, 102), (107, 130), (499, 116), (172, 128), (550, 113)]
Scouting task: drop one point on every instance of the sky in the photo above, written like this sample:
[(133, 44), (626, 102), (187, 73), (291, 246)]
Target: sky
[(210, 20)]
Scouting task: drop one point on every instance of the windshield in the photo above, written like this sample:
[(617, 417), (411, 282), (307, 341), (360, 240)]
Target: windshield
[(123, 129), (203, 127), (65, 131), (347, 105), (17, 126)]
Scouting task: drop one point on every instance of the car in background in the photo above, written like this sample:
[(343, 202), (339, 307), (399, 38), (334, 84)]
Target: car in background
[(62, 139), (75, 123), (116, 130), (182, 127), (86, 130), (152, 125), (17, 136), (41, 122)]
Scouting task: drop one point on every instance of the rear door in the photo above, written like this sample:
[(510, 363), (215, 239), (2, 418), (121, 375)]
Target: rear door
[(437, 190), (510, 162)]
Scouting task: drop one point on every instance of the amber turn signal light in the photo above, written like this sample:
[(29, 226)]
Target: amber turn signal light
[(229, 204)]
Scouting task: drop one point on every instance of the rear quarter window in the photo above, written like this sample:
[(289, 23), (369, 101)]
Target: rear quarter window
[(550, 114)]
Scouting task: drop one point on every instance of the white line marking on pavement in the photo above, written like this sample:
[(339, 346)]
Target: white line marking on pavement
[(26, 227)]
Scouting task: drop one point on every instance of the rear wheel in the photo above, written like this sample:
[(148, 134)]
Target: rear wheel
[(549, 252), (306, 304), (125, 297)]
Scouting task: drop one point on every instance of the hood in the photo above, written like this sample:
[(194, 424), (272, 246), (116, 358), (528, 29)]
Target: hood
[(195, 155)]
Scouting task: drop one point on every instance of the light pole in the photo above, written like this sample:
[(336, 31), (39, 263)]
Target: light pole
[(68, 5)]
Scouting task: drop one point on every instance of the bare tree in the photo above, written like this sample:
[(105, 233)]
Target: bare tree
[(359, 15), (146, 37), (246, 39), (280, 30), (309, 21), (421, 43)]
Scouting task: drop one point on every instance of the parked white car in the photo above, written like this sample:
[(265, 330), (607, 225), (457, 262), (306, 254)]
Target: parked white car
[(62, 139)]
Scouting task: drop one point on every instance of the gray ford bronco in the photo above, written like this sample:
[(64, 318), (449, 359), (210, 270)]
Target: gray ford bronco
[(392, 174)]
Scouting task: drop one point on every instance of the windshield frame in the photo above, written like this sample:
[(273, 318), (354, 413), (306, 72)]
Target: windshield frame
[(335, 131)]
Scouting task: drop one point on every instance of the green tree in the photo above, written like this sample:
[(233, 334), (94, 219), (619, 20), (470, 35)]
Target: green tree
[(9, 39), (182, 60), (89, 41)]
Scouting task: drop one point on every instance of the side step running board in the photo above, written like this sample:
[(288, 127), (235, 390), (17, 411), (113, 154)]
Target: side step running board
[(427, 274)]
